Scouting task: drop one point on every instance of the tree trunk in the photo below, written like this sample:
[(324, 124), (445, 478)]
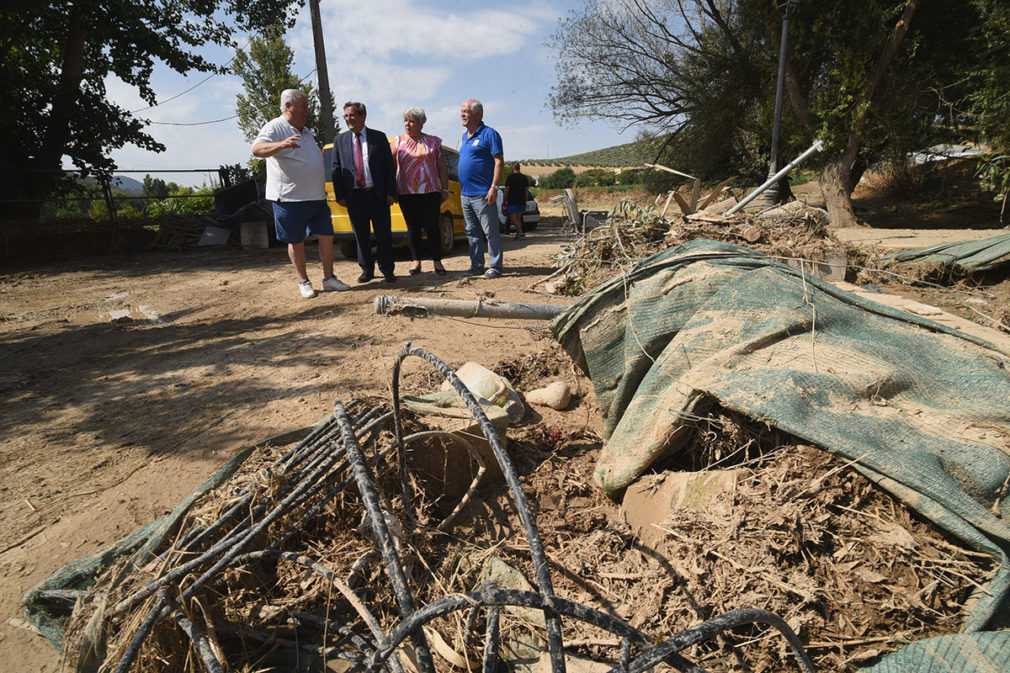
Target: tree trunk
[(836, 177), (837, 189), (64, 107)]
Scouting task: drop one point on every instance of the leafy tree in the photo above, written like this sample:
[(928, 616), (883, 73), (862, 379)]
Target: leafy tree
[(659, 182), (233, 174), (155, 187), (55, 57), (266, 72), (98, 210), (871, 81), (629, 177), (993, 173), (559, 179), (599, 177), (989, 100)]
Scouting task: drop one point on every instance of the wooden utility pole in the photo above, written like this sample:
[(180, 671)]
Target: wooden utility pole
[(327, 130)]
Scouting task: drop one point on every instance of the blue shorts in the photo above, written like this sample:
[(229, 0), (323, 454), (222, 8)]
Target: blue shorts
[(294, 220), (512, 210)]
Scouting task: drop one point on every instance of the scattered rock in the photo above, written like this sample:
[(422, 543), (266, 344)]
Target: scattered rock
[(556, 396), (505, 576), (552, 286)]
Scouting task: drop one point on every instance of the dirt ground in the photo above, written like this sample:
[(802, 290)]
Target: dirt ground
[(108, 424), (126, 380)]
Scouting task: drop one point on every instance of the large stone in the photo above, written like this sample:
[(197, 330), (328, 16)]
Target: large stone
[(556, 396)]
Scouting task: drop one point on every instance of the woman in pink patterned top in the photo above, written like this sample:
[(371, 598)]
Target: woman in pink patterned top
[(422, 184)]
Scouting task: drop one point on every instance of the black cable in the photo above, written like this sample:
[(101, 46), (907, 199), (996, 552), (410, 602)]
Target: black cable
[(383, 539), (519, 500)]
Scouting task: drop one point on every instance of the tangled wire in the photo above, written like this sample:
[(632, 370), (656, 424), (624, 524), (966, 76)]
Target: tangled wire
[(164, 612)]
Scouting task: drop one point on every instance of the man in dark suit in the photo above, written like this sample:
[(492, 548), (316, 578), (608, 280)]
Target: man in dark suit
[(364, 182)]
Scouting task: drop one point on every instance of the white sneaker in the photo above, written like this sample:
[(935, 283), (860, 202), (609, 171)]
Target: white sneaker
[(305, 287), (334, 284)]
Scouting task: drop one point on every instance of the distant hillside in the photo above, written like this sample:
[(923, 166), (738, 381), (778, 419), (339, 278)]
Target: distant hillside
[(127, 184), (119, 182), (629, 154)]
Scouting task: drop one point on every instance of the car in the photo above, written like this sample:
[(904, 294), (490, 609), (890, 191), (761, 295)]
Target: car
[(531, 216), (450, 221)]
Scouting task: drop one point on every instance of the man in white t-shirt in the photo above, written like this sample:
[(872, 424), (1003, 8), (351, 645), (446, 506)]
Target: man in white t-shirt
[(296, 187)]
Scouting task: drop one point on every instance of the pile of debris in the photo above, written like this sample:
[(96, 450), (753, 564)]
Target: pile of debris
[(324, 552), (282, 565), (781, 525), (794, 233)]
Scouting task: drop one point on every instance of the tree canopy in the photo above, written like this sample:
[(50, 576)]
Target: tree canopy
[(868, 80), (266, 72), (55, 56)]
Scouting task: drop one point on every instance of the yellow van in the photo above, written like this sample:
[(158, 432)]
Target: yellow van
[(450, 223)]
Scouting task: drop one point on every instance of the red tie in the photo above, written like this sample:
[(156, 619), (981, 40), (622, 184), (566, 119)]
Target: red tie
[(359, 165)]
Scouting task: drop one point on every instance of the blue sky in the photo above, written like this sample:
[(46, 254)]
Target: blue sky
[(390, 54)]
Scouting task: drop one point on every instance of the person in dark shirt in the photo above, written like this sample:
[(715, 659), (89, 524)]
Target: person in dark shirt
[(517, 193)]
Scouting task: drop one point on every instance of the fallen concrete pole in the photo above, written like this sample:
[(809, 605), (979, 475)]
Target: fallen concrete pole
[(421, 308)]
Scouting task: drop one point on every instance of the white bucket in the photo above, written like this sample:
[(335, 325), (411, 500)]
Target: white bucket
[(254, 235)]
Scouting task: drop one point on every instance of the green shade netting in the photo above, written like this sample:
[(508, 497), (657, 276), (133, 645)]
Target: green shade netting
[(979, 255), (984, 652), (141, 544), (921, 409)]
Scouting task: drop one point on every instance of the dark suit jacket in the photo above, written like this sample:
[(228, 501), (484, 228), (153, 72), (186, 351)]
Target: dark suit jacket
[(380, 163)]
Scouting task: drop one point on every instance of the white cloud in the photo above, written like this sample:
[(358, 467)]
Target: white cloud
[(385, 27), (389, 54)]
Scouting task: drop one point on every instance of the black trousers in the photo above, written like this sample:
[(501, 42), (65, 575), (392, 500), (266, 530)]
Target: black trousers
[(420, 213), (370, 215)]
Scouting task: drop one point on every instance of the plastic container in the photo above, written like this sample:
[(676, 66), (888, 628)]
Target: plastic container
[(484, 383)]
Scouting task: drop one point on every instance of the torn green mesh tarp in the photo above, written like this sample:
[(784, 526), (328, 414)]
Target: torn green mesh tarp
[(918, 407), (82, 573), (985, 652), (978, 255)]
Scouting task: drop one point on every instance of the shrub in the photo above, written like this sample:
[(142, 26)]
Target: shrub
[(629, 177), (559, 179), (659, 182), (599, 177), (184, 201)]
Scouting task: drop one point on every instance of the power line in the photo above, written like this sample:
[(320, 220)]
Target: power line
[(212, 121), (204, 81), (168, 100)]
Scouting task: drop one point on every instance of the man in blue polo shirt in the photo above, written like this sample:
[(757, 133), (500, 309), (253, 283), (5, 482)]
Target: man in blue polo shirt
[(481, 162)]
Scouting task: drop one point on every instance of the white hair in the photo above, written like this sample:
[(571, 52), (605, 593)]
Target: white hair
[(415, 113), (475, 107), (290, 96)]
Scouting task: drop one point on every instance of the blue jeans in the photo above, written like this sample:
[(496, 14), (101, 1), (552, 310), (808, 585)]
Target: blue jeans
[(480, 223)]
